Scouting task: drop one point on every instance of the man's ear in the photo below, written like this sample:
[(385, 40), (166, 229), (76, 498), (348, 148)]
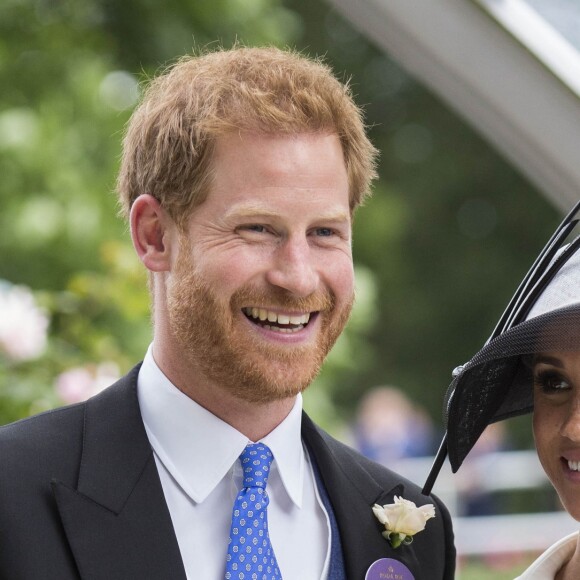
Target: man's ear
[(151, 229)]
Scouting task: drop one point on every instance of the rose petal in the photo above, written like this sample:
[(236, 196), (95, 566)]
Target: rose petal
[(380, 514), (428, 511)]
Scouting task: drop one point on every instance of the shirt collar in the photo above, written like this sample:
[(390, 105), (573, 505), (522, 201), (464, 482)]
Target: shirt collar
[(285, 442), (184, 436)]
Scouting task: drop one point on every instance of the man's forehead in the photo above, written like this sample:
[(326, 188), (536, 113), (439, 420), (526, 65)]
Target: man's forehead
[(302, 177), (274, 147)]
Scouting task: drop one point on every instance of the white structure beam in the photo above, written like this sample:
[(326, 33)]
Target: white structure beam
[(484, 71)]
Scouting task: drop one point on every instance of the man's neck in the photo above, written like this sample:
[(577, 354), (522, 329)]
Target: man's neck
[(254, 420)]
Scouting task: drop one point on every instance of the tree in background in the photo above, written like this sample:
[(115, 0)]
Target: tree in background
[(70, 73), (439, 248)]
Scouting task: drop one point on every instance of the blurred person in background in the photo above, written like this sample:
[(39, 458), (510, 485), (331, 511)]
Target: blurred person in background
[(472, 487), (240, 175), (389, 427), (531, 363)]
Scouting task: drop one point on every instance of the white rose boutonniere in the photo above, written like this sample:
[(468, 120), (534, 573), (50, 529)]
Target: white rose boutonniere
[(402, 520)]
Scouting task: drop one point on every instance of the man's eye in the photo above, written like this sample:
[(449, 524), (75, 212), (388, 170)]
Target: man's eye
[(324, 232), (254, 228)]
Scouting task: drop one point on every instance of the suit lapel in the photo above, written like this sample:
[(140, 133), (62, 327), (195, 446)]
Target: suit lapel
[(116, 520), (353, 492)]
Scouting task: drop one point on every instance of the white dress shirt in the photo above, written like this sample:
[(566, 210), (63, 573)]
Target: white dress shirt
[(196, 454)]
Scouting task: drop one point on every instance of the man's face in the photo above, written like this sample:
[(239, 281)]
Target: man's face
[(263, 284)]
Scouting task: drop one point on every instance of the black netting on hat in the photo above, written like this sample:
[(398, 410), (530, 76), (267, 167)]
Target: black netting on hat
[(497, 381)]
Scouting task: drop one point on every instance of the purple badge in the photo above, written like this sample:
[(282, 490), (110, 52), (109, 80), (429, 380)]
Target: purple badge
[(388, 569)]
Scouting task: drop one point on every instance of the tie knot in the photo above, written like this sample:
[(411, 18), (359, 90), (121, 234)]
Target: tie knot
[(256, 460)]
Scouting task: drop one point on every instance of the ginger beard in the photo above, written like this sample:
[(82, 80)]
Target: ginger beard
[(217, 342)]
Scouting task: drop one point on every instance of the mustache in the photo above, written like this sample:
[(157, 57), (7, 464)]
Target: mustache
[(279, 298)]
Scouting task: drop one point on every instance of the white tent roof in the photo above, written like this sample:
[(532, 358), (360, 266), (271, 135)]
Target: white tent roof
[(500, 65)]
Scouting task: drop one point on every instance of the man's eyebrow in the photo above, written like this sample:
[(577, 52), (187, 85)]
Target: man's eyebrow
[(254, 211), (250, 211)]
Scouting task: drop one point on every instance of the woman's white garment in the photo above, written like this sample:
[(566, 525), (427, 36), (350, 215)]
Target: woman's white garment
[(547, 565)]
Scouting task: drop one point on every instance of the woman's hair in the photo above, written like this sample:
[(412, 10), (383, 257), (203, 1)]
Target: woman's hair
[(168, 146)]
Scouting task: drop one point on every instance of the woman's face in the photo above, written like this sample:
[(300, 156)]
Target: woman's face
[(557, 423)]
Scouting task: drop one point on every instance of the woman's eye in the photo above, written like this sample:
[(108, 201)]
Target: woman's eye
[(550, 382)]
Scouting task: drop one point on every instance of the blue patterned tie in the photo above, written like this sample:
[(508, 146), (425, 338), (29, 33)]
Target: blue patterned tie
[(250, 553)]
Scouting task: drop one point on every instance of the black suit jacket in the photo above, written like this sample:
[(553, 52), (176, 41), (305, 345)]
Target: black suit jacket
[(80, 497)]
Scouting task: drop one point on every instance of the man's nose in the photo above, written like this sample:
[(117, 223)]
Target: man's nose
[(571, 426), (293, 268)]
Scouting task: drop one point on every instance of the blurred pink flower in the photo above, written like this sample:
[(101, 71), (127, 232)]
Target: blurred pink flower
[(80, 383), (23, 324)]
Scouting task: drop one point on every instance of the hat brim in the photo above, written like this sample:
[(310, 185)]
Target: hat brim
[(497, 384)]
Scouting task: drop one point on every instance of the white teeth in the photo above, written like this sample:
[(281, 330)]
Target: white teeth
[(573, 465), (262, 314)]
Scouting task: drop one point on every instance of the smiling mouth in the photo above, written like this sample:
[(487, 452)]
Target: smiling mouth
[(572, 465), (277, 322)]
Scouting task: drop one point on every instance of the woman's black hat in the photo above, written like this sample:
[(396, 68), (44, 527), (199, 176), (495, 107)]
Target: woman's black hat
[(542, 316)]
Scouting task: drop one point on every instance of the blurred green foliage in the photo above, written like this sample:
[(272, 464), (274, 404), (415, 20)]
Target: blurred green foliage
[(439, 249)]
